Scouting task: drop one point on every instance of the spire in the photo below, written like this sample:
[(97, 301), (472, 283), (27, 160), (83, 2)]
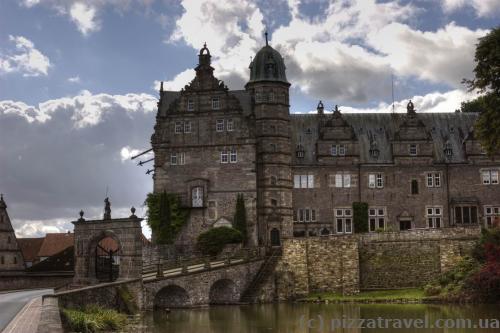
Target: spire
[(204, 56), (3, 205), (267, 42)]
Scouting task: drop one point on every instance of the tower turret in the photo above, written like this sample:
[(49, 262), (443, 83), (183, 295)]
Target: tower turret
[(269, 89)]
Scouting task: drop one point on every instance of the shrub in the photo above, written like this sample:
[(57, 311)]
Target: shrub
[(212, 242), (488, 236), (485, 284), (93, 318), (360, 217), (240, 216)]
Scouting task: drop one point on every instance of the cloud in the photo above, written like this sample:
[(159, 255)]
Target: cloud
[(432, 102), (84, 17), (74, 79), (60, 156), (444, 56), (348, 53), (482, 7), (26, 59)]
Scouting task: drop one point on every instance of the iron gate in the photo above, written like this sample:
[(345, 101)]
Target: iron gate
[(106, 264)]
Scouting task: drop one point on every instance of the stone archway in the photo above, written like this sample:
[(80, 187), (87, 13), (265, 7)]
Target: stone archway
[(94, 253), (223, 291), (172, 296)]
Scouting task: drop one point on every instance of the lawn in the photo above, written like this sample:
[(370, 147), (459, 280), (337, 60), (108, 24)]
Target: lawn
[(375, 295)]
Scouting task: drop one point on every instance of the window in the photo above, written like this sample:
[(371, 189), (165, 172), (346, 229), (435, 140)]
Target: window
[(376, 219), (413, 150), (300, 151), (230, 125), (490, 213), (212, 209), (190, 105), (215, 103), (219, 125), (305, 215), (448, 151), (465, 214), (434, 216), (224, 156), (187, 127), (177, 159), (404, 224), (178, 127), (343, 220), (303, 181), (343, 180), (490, 177), (197, 196), (414, 186), (233, 157), (338, 150), (433, 179), (274, 202), (375, 180)]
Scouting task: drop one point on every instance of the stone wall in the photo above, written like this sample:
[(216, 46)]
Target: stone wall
[(116, 295), (33, 281), (387, 260), (50, 318)]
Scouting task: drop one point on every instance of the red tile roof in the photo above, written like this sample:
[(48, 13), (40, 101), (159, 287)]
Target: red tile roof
[(54, 243), (30, 247)]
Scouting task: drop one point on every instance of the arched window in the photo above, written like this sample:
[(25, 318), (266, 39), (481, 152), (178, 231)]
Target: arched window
[(197, 196)]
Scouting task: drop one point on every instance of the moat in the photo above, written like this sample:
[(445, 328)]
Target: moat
[(306, 317)]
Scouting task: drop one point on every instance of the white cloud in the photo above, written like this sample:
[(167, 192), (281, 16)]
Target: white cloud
[(127, 152), (26, 59), (432, 102), (74, 79), (84, 16), (23, 110), (482, 7), (444, 56)]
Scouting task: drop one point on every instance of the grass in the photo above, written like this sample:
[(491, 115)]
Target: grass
[(94, 319), (375, 295)]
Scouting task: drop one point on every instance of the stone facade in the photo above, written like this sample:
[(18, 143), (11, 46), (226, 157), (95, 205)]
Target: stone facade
[(11, 257), (301, 173), (126, 232), (390, 260)]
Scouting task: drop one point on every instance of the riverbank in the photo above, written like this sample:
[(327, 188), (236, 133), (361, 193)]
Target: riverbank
[(411, 295)]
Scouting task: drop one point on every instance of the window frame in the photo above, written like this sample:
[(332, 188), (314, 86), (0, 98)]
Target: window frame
[(472, 219), (224, 156), (219, 125), (343, 216), (413, 149), (178, 127), (233, 155), (190, 104), (434, 217), (187, 126), (216, 103), (197, 190), (489, 217), (378, 215), (303, 181), (230, 125)]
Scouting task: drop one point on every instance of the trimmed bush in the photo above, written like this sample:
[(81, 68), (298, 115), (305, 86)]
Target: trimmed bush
[(240, 216), (212, 242), (360, 217)]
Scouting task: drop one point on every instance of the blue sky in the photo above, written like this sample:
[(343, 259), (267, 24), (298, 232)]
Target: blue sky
[(79, 79)]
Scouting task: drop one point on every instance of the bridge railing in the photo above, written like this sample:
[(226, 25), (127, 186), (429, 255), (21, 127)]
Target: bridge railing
[(203, 262)]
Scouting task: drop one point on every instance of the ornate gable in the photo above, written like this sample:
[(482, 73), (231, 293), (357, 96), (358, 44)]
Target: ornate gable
[(335, 127), (412, 128)]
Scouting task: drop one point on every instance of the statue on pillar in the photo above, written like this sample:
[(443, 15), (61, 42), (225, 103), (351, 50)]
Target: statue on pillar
[(107, 209)]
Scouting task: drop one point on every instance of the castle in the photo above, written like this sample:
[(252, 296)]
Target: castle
[(301, 173)]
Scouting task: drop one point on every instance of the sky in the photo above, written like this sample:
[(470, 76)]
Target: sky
[(79, 80)]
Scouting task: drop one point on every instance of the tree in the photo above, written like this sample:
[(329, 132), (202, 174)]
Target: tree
[(213, 241), (240, 216), (360, 210), (487, 81)]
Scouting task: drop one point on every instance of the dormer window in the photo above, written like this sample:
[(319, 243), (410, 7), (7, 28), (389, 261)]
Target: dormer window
[(215, 103), (338, 150), (374, 152), (413, 150), (448, 151), (300, 151), (342, 150), (190, 104)]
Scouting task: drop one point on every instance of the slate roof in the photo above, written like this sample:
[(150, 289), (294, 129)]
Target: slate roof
[(380, 128)]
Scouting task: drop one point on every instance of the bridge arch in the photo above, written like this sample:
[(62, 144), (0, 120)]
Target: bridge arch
[(223, 291), (172, 296)]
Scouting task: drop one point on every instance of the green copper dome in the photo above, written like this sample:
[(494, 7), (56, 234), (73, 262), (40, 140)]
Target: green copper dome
[(268, 65)]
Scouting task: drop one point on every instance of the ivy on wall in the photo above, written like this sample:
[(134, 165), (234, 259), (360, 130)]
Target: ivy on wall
[(165, 216), (360, 211)]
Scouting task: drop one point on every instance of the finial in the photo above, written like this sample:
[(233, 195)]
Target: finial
[(107, 209), (2, 203), (133, 213), (267, 43), (161, 87), (205, 44), (320, 107), (337, 108), (410, 107), (81, 216)]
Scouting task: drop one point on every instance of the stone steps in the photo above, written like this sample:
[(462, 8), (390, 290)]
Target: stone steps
[(262, 276)]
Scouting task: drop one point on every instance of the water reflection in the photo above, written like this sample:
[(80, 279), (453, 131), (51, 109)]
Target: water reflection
[(321, 318)]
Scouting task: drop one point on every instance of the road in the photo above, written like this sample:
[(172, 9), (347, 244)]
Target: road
[(12, 302)]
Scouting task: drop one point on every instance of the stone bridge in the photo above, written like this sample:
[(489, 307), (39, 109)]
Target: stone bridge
[(219, 285)]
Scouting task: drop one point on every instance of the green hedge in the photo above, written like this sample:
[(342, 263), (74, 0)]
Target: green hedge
[(360, 217), (212, 242), (240, 216), (165, 216)]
